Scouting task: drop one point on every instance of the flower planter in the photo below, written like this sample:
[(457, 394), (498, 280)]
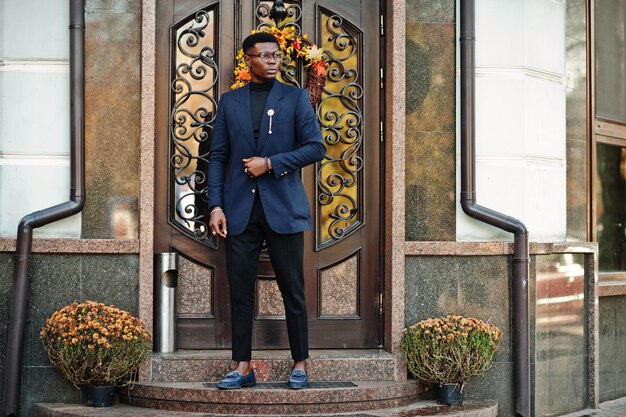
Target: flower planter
[(98, 396), (450, 394), (96, 347)]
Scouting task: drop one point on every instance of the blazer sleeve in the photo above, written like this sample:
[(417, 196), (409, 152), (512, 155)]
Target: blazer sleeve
[(311, 148), (218, 158)]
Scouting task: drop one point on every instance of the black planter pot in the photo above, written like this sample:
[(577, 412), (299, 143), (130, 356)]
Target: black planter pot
[(98, 396), (450, 394)]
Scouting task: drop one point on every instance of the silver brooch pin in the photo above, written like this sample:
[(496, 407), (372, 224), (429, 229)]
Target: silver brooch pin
[(270, 113)]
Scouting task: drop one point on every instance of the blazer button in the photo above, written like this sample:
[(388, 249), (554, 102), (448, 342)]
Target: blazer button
[(254, 190)]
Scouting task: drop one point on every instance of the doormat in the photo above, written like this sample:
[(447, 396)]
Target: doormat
[(283, 385)]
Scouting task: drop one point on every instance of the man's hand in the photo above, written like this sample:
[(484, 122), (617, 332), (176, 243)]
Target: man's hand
[(217, 222), (255, 167)]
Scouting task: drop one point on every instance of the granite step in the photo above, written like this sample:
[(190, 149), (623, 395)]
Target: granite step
[(275, 365), (418, 409), (273, 397)]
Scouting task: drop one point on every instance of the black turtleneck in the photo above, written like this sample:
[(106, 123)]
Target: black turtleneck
[(258, 97)]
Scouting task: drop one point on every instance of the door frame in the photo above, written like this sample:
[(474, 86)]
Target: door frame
[(392, 166)]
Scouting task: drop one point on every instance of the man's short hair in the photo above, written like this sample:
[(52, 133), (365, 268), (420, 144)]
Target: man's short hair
[(255, 38)]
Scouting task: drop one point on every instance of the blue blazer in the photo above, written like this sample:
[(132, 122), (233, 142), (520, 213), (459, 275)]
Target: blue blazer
[(295, 141)]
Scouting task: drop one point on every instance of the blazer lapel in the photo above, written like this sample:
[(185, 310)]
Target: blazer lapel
[(272, 103), (243, 114)]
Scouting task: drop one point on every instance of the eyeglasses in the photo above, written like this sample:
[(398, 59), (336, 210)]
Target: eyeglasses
[(266, 56)]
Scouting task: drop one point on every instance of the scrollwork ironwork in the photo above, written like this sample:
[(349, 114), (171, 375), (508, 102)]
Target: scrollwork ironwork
[(293, 18), (193, 91), (290, 70), (339, 175)]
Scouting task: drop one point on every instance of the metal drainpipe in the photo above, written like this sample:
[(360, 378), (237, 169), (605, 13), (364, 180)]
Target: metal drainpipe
[(521, 330), (19, 293)]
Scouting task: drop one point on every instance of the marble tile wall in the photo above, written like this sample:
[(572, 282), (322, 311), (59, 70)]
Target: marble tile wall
[(576, 117), (612, 347), (55, 281), (475, 286), (479, 286), (430, 120), (559, 334), (195, 287), (269, 300), (112, 125), (338, 289)]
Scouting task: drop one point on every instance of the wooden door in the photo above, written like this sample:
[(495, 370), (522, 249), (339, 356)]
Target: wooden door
[(197, 41)]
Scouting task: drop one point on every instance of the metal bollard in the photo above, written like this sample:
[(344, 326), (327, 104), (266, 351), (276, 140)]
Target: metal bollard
[(165, 283)]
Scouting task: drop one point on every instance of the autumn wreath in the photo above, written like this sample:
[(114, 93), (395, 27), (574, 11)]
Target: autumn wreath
[(295, 46)]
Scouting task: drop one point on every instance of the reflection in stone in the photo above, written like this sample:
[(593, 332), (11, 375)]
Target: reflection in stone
[(339, 289), (123, 217), (560, 348), (112, 119), (576, 119), (430, 132), (195, 288), (269, 301)]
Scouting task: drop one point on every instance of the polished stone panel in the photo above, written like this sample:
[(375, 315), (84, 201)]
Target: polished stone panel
[(576, 190), (111, 279), (58, 280), (576, 119), (55, 281), (430, 186), (497, 384), (339, 289), (269, 301), (560, 334), (612, 344), (112, 100), (45, 384), (431, 78), (475, 286), (576, 63), (575, 19), (195, 288), (430, 11), (560, 386), (430, 132)]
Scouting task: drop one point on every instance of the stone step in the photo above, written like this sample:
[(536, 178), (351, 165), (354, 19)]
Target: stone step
[(275, 365), (273, 397), (418, 409)]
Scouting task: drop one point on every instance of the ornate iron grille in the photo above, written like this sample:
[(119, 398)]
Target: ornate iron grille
[(290, 70), (195, 74), (340, 175)]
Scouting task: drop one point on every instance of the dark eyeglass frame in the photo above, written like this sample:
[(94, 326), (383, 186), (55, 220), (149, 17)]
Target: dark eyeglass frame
[(266, 56)]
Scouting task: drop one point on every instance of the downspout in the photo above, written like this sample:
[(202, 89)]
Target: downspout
[(521, 331), (19, 292)]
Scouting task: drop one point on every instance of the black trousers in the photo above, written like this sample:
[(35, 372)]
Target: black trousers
[(242, 257)]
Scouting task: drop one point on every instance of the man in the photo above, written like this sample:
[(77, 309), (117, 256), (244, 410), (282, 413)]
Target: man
[(263, 134)]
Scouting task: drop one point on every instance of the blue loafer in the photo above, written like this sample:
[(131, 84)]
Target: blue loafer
[(298, 379), (234, 380)]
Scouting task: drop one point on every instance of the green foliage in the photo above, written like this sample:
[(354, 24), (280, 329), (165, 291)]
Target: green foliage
[(449, 350)]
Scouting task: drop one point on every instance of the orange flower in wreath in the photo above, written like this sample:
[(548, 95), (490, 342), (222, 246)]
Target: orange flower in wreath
[(297, 47)]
